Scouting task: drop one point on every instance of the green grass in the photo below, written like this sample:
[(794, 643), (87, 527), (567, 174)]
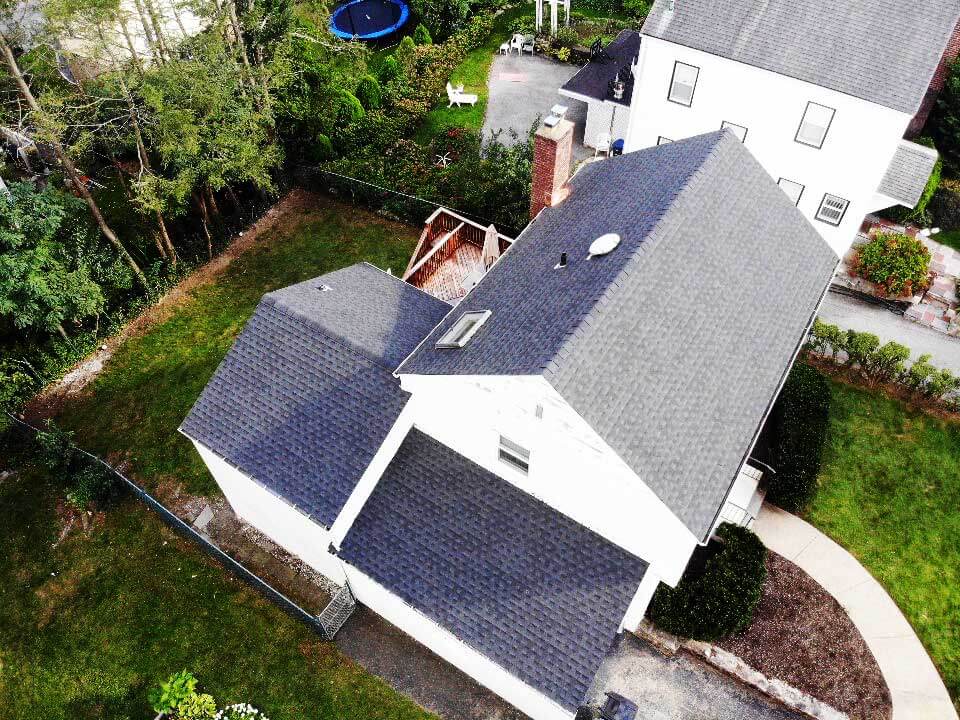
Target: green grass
[(88, 627), (472, 72), (890, 492), (950, 238), (152, 381)]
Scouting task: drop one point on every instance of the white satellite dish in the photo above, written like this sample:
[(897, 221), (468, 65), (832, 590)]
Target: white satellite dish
[(604, 244)]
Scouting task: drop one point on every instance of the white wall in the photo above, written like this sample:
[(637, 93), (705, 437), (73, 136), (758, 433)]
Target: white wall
[(273, 516), (858, 148), (571, 468), (457, 653), (605, 117)]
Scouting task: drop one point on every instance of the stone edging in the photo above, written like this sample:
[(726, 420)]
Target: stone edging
[(732, 665)]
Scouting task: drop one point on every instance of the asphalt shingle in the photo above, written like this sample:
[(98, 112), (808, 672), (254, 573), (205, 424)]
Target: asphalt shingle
[(884, 51), (593, 80), (906, 178), (305, 397), (673, 346), (524, 585)]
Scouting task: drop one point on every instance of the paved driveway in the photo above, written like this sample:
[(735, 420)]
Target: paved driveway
[(679, 687), (525, 88), (849, 313)]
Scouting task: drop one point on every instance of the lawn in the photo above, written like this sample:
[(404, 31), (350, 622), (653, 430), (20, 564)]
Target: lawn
[(472, 72), (89, 624), (890, 492), (152, 381), (950, 238)]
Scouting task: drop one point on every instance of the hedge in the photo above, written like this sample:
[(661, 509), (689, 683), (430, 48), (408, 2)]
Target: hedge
[(719, 593), (799, 420)]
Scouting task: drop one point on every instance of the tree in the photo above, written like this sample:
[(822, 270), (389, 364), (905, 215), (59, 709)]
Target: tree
[(369, 93), (421, 36), (42, 285), (442, 17), (945, 121)]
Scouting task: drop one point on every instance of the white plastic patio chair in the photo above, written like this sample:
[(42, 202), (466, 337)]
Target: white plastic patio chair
[(504, 48), (527, 44), (603, 144), (516, 43), (458, 97)]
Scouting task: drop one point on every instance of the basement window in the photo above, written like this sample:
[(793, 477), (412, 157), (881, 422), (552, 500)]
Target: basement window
[(514, 455), (739, 130), (463, 329), (814, 125), (794, 190), (683, 83), (832, 209)]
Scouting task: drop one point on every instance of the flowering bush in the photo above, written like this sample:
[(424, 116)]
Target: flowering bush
[(240, 711), (897, 263)]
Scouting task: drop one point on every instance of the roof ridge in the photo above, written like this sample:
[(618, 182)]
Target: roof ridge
[(305, 321)]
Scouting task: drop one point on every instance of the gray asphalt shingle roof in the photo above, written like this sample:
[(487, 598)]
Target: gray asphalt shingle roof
[(306, 396), (593, 79), (908, 173), (524, 585), (884, 51), (672, 346)]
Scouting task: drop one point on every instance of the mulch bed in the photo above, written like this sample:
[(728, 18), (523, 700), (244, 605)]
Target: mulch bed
[(801, 635)]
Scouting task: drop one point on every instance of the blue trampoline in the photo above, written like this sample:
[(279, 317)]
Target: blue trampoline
[(368, 19)]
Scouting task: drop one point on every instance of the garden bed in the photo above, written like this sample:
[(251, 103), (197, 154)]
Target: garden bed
[(801, 635)]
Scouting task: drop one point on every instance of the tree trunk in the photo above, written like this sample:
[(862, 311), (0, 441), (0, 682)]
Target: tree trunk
[(212, 200), (241, 43), (157, 27), (134, 55), (165, 236), (68, 167), (237, 208), (148, 31), (176, 16), (205, 217), (62, 332)]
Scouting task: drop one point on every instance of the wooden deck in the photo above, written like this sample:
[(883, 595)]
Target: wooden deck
[(446, 282), (449, 252)]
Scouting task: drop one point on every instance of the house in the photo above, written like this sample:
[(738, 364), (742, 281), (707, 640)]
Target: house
[(822, 92), (509, 479), (596, 84)]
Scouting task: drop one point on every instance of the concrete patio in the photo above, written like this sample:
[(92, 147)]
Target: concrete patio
[(523, 89)]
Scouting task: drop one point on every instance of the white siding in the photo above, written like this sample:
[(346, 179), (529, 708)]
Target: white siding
[(274, 517), (571, 468), (859, 145), (457, 653), (605, 117)]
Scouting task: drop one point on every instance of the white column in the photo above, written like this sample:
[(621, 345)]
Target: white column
[(553, 16), (539, 15)]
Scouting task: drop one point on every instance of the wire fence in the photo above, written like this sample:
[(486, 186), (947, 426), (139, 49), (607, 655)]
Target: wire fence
[(187, 531)]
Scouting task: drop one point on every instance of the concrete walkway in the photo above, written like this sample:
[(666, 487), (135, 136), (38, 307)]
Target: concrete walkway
[(915, 685), (851, 314)]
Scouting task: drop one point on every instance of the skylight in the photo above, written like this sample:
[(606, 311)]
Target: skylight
[(463, 329)]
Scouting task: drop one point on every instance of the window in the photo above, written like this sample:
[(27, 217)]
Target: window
[(794, 190), (683, 83), (832, 209), (463, 329), (814, 125), (663, 140), (515, 456), (739, 130)]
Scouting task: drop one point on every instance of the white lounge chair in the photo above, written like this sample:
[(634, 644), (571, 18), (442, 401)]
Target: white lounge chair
[(603, 144), (458, 97)]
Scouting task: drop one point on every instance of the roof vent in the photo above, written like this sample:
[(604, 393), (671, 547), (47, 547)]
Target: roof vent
[(563, 262), (324, 288), (604, 244)]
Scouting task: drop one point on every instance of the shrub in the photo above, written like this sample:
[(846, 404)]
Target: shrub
[(799, 421), (926, 380), (241, 711), (825, 338), (57, 453), (442, 17), (921, 213), (389, 69), (637, 9), (945, 120), (198, 706), (369, 92), (563, 54), (566, 37), (176, 689), (719, 593), (885, 363), (404, 53), (348, 109), (897, 263), (90, 483), (421, 36), (945, 205), (860, 346), (321, 149)]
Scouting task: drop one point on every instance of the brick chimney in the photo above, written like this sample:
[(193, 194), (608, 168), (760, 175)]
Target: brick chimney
[(552, 155), (936, 84)]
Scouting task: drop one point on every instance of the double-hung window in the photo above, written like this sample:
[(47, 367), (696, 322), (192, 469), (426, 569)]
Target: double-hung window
[(683, 83), (832, 209), (794, 190), (514, 455), (814, 125)]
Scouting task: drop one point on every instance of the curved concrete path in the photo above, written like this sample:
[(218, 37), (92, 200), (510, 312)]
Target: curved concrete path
[(915, 685)]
